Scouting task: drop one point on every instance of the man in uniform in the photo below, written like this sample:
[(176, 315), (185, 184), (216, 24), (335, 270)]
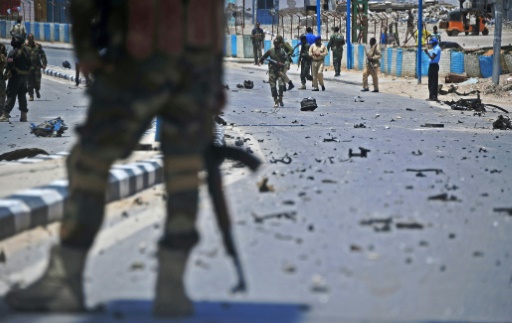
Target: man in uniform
[(304, 62), (19, 28), (277, 60), (336, 42), (18, 66), (372, 66), (433, 69), (318, 51), (38, 58), (289, 52), (3, 63), (160, 59), (257, 36)]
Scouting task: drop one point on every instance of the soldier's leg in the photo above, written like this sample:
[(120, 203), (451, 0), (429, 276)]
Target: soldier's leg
[(37, 83), (375, 78), (335, 62), (22, 100), (116, 120), (303, 76), (321, 74), (272, 80), (3, 95), (315, 74), (12, 93), (31, 84), (255, 53), (308, 71)]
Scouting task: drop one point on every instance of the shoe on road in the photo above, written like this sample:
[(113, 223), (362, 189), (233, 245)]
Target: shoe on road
[(323, 88), (38, 94), (365, 90), (315, 90), (375, 91)]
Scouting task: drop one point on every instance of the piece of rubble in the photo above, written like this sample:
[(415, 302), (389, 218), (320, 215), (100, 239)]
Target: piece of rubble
[(318, 284), (361, 125), (22, 153), (363, 153), (444, 197), (409, 225), (433, 125), (502, 123), (378, 225), (264, 187)]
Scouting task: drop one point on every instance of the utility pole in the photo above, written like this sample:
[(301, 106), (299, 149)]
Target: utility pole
[(498, 18), (349, 41), (318, 20), (420, 39)]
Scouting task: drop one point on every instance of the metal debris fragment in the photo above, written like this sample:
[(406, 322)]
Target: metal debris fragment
[(361, 125), (502, 123), (444, 197), (363, 153), (507, 210), (290, 215), (264, 187), (419, 172), (285, 160), (378, 225), (409, 225), (433, 125)]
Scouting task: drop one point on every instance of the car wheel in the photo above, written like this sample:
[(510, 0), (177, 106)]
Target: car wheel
[(485, 32), (455, 32)]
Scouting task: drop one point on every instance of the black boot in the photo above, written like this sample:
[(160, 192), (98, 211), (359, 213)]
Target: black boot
[(290, 85)]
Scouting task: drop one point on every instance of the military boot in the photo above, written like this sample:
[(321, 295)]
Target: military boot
[(59, 289), (31, 97), (5, 117), (280, 100), (23, 117), (38, 94), (303, 87), (290, 85), (276, 103), (171, 299)]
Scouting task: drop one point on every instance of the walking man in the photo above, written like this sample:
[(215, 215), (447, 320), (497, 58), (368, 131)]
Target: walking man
[(318, 51), (304, 62), (148, 70), (277, 59), (372, 67), (258, 37), (433, 69), (18, 66), (336, 43), (19, 28), (310, 36), (410, 27), (424, 36), (39, 61)]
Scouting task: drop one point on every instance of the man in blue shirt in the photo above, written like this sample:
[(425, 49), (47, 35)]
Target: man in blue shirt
[(433, 69), (310, 37)]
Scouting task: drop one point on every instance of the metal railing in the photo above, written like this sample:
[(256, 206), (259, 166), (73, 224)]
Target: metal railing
[(52, 11)]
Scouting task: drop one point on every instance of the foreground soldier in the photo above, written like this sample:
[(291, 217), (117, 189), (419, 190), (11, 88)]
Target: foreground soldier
[(18, 66), (277, 60), (372, 66), (3, 63), (336, 43), (289, 52), (304, 62), (38, 59), (163, 60)]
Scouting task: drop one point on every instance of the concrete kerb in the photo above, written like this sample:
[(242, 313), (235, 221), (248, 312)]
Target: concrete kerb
[(54, 72), (43, 205)]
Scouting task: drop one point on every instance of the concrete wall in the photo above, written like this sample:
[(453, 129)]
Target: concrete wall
[(51, 32)]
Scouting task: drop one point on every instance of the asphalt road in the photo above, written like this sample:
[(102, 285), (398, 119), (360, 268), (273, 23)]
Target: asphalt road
[(337, 239)]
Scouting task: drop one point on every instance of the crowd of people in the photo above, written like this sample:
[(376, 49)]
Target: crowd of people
[(312, 55), (20, 72)]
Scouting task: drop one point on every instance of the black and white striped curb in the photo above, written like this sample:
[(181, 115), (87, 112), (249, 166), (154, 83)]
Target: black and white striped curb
[(62, 75), (43, 205), (36, 159)]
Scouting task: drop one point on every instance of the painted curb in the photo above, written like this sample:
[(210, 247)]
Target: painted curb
[(61, 75), (43, 205)]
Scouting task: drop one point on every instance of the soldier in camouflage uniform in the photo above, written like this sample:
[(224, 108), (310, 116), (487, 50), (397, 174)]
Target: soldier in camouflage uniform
[(18, 66), (162, 58), (38, 58), (289, 52), (304, 62), (275, 70), (336, 43), (3, 63)]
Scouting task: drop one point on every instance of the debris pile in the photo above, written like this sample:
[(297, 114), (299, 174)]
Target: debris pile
[(502, 123), (50, 128)]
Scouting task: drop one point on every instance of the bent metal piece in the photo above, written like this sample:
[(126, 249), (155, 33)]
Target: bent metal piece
[(363, 153)]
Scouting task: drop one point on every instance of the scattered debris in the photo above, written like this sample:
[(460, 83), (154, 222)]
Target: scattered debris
[(453, 89), (363, 153), (291, 215), (355, 248), (22, 153), (248, 84), (507, 210), (502, 123), (285, 160), (264, 187), (358, 99), (425, 170), (318, 284), (455, 78), (332, 139), (471, 104), (308, 104), (409, 225), (444, 197), (137, 266), (361, 125), (378, 225), (478, 254), (51, 128), (433, 125), (417, 153), (226, 86)]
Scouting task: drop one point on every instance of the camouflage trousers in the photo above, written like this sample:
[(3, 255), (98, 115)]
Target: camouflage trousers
[(337, 55), (275, 78), (3, 94), (34, 81), (117, 118), (16, 88)]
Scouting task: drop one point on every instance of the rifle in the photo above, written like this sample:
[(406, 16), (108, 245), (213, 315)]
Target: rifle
[(369, 61), (213, 157), (270, 60)]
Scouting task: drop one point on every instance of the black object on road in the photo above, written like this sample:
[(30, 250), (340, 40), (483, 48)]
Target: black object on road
[(22, 153), (363, 153), (248, 84), (50, 128), (66, 64), (502, 123), (308, 104), (433, 125)]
